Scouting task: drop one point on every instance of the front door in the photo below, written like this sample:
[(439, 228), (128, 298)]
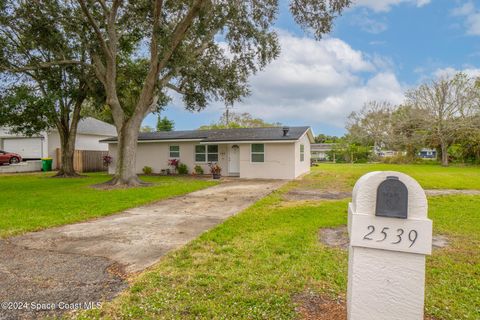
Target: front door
[(234, 160)]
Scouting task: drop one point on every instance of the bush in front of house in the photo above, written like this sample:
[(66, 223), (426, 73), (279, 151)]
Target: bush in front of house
[(147, 170), (182, 168), (198, 169)]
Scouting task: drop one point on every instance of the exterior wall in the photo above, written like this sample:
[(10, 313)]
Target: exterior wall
[(157, 154), (279, 162), (282, 160), (302, 167)]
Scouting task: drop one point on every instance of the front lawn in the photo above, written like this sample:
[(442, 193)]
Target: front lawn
[(31, 202), (257, 263)]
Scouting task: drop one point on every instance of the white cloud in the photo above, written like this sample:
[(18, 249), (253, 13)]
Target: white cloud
[(317, 83), (449, 72), (469, 12), (370, 25), (386, 5)]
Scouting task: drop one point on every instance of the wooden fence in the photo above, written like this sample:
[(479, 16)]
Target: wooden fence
[(85, 160)]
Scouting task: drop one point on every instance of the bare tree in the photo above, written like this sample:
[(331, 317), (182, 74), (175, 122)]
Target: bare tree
[(371, 125), (449, 104), (408, 130)]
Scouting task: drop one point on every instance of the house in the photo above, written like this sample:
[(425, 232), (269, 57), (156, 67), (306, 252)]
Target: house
[(428, 154), (319, 151), (267, 153), (44, 145)]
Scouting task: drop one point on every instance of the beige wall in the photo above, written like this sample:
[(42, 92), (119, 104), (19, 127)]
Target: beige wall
[(279, 162), (157, 154), (302, 167)]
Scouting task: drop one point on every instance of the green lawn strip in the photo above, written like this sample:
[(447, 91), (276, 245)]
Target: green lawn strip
[(36, 201), (453, 273), (253, 265), (342, 177)]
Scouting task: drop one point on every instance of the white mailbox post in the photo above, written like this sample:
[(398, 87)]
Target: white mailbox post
[(390, 235)]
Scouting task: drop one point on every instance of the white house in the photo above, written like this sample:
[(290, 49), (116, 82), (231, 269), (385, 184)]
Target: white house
[(267, 153), (89, 133)]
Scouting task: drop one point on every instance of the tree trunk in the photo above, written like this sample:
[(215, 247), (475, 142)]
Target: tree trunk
[(444, 148), (125, 173), (68, 149), (67, 130)]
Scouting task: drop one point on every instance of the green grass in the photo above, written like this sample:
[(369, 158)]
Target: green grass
[(254, 265), (31, 202), (344, 176)]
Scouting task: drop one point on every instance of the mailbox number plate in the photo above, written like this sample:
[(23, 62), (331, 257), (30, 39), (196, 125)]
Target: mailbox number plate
[(406, 235), (395, 237)]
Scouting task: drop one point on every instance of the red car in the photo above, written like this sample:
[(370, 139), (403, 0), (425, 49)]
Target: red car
[(9, 157)]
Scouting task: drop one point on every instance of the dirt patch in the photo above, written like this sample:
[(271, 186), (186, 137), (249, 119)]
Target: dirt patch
[(300, 195), (338, 238), (46, 277), (449, 192), (334, 237), (312, 306), (315, 195)]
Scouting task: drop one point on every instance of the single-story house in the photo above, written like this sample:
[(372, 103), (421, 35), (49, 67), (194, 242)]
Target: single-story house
[(429, 154), (45, 144), (266, 153), (320, 151)]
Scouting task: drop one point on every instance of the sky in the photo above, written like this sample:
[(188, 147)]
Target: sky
[(377, 50)]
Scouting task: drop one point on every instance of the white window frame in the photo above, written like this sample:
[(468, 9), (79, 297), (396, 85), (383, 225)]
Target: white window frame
[(257, 152), (302, 152), (170, 151), (206, 153)]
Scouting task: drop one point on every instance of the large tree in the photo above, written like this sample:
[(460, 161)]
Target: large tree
[(44, 72), (449, 105), (201, 49)]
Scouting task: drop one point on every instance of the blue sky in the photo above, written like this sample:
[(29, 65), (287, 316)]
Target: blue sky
[(377, 50)]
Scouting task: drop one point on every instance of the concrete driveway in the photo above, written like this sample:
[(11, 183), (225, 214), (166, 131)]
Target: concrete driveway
[(87, 262)]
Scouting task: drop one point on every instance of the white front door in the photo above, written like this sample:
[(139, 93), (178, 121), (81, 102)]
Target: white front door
[(234, 160)]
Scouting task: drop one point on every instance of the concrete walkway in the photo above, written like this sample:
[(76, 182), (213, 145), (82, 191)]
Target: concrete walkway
[(86, 261)]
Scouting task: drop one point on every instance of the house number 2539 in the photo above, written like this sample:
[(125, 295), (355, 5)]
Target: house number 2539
[(395, 236)]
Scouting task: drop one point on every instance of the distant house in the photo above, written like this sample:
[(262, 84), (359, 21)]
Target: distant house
[(426, 153), (320, 151), (90, 131), (267, 153)]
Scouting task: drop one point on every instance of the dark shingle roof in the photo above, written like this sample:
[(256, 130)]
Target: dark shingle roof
[(219, 135)]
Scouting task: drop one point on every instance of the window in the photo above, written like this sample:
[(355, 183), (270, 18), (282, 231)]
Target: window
[(302, 152), (206, 153), (258, 152), (174, 151)]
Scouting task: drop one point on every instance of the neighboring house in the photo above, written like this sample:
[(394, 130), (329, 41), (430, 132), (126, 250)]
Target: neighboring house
[(430, 154), (320, 151), (267, 153), (90, 131)]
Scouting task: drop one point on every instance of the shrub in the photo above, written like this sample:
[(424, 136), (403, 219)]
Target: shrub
[(214, 168), (147, 170), (107, 160), (182, 168), (198, 169)]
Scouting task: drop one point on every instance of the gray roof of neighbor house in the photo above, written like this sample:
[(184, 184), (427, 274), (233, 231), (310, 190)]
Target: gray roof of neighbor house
[(222, 135), (321, 146), (93, 126)]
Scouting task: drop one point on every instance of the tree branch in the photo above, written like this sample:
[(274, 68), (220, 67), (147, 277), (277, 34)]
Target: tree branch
[(95, 27), (43, 65)]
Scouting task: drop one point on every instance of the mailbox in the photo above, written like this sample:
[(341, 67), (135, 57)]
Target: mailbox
[(390, 235), (392, 199)]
